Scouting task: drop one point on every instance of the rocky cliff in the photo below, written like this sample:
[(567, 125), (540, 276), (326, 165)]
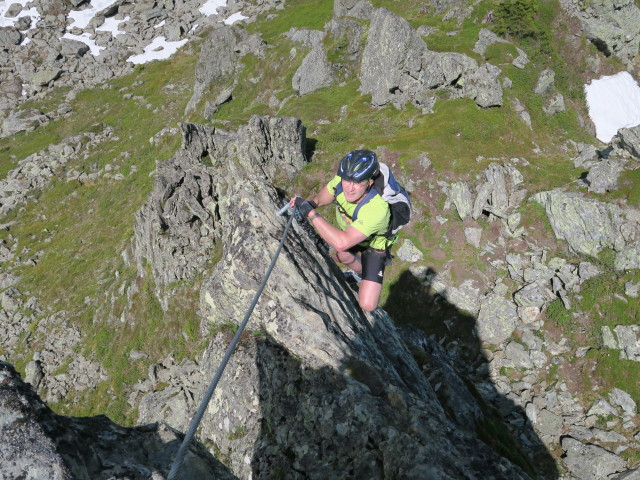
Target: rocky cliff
[(38, 444), (318, 387)]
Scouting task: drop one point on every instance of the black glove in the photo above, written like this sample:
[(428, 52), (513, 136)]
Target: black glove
[(303, 206)]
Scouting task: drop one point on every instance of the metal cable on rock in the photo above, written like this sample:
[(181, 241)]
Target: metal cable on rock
[(195, 422)]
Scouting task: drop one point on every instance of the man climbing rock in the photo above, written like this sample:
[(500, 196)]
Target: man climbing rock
[(363, 218)]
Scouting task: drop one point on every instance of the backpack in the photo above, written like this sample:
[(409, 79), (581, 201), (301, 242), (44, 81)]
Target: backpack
[(394, 194)]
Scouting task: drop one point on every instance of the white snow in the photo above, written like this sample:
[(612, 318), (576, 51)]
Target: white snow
[(10, 22), (211, 7), (81, 18), (158, 49), (111, 25), (614, 103), (236, 17)]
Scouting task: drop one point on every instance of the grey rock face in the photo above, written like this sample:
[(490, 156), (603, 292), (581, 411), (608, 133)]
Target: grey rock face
[(612, 26), (554, 105), (178, 228), (461, 197), (545, 82), (500, 193), (630, 140), (588, 462), (352, 8), (603, 177), (398, 68), (322, 388), (217, 62), (23, 121), (45, 76), (9, 36), (497, 319), (38, 444), (587, 156), (408, 252), (313, 73), (587, 225), (306, 37), (629, 257)]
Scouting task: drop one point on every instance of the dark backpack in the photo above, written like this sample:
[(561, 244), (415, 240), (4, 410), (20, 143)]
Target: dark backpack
[(394, 194)]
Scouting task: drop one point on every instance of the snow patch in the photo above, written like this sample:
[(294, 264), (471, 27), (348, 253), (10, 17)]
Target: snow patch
[(236, 17), (81, 18), (614, 103), (158, 49), (10, 22)]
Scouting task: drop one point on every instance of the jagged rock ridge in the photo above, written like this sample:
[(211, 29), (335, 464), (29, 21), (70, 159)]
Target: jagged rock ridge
[(323, 389)]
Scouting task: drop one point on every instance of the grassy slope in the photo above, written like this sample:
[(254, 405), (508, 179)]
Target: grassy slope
[(82, 269), (83, 228)]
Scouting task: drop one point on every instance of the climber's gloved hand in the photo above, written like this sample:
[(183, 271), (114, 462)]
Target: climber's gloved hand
[(304, 206)]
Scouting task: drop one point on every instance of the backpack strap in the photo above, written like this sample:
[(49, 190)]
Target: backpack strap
[(369, 195)]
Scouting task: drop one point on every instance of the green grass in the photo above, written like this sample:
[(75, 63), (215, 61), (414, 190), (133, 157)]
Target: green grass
[(310, 14), (81, 240), (81, 228), (628, 188), (612, 372)]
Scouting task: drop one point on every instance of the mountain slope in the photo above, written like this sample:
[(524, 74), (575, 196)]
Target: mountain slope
[(115, 317)]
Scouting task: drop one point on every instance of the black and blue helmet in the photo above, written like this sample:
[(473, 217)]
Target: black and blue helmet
[(358, 166)]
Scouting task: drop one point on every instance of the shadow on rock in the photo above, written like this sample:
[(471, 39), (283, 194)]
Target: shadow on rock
[(37, 443), (444, 341), (387, 413)]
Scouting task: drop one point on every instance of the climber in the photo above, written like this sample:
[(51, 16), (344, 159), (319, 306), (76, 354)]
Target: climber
[(360, 244)]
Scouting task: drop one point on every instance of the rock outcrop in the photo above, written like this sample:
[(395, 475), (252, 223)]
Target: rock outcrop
[(318, 387), (398, 68), (589, 225), (612, 26), (38, 444)]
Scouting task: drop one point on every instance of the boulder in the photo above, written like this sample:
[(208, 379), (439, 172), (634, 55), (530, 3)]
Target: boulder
[(306, 37), (9, 36), (629, 139), (45, 76), (545, 82), (554, 105), (589, 461), (497, 318), (587, 225), (629, 257), (23, 121), (461, 197), (314, 72), (587, 155), (352, 8), (408, 252), (217, 62), (624, 401), (73, 48), (398, 68), (603, 177), (612, 26)]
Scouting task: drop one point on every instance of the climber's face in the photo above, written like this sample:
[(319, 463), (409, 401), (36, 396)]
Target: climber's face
[(354, 191)]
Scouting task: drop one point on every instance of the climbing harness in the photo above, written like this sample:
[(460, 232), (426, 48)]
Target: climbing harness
[(207, 397)]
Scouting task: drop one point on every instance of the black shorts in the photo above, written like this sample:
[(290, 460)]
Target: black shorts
[(373, 262)]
